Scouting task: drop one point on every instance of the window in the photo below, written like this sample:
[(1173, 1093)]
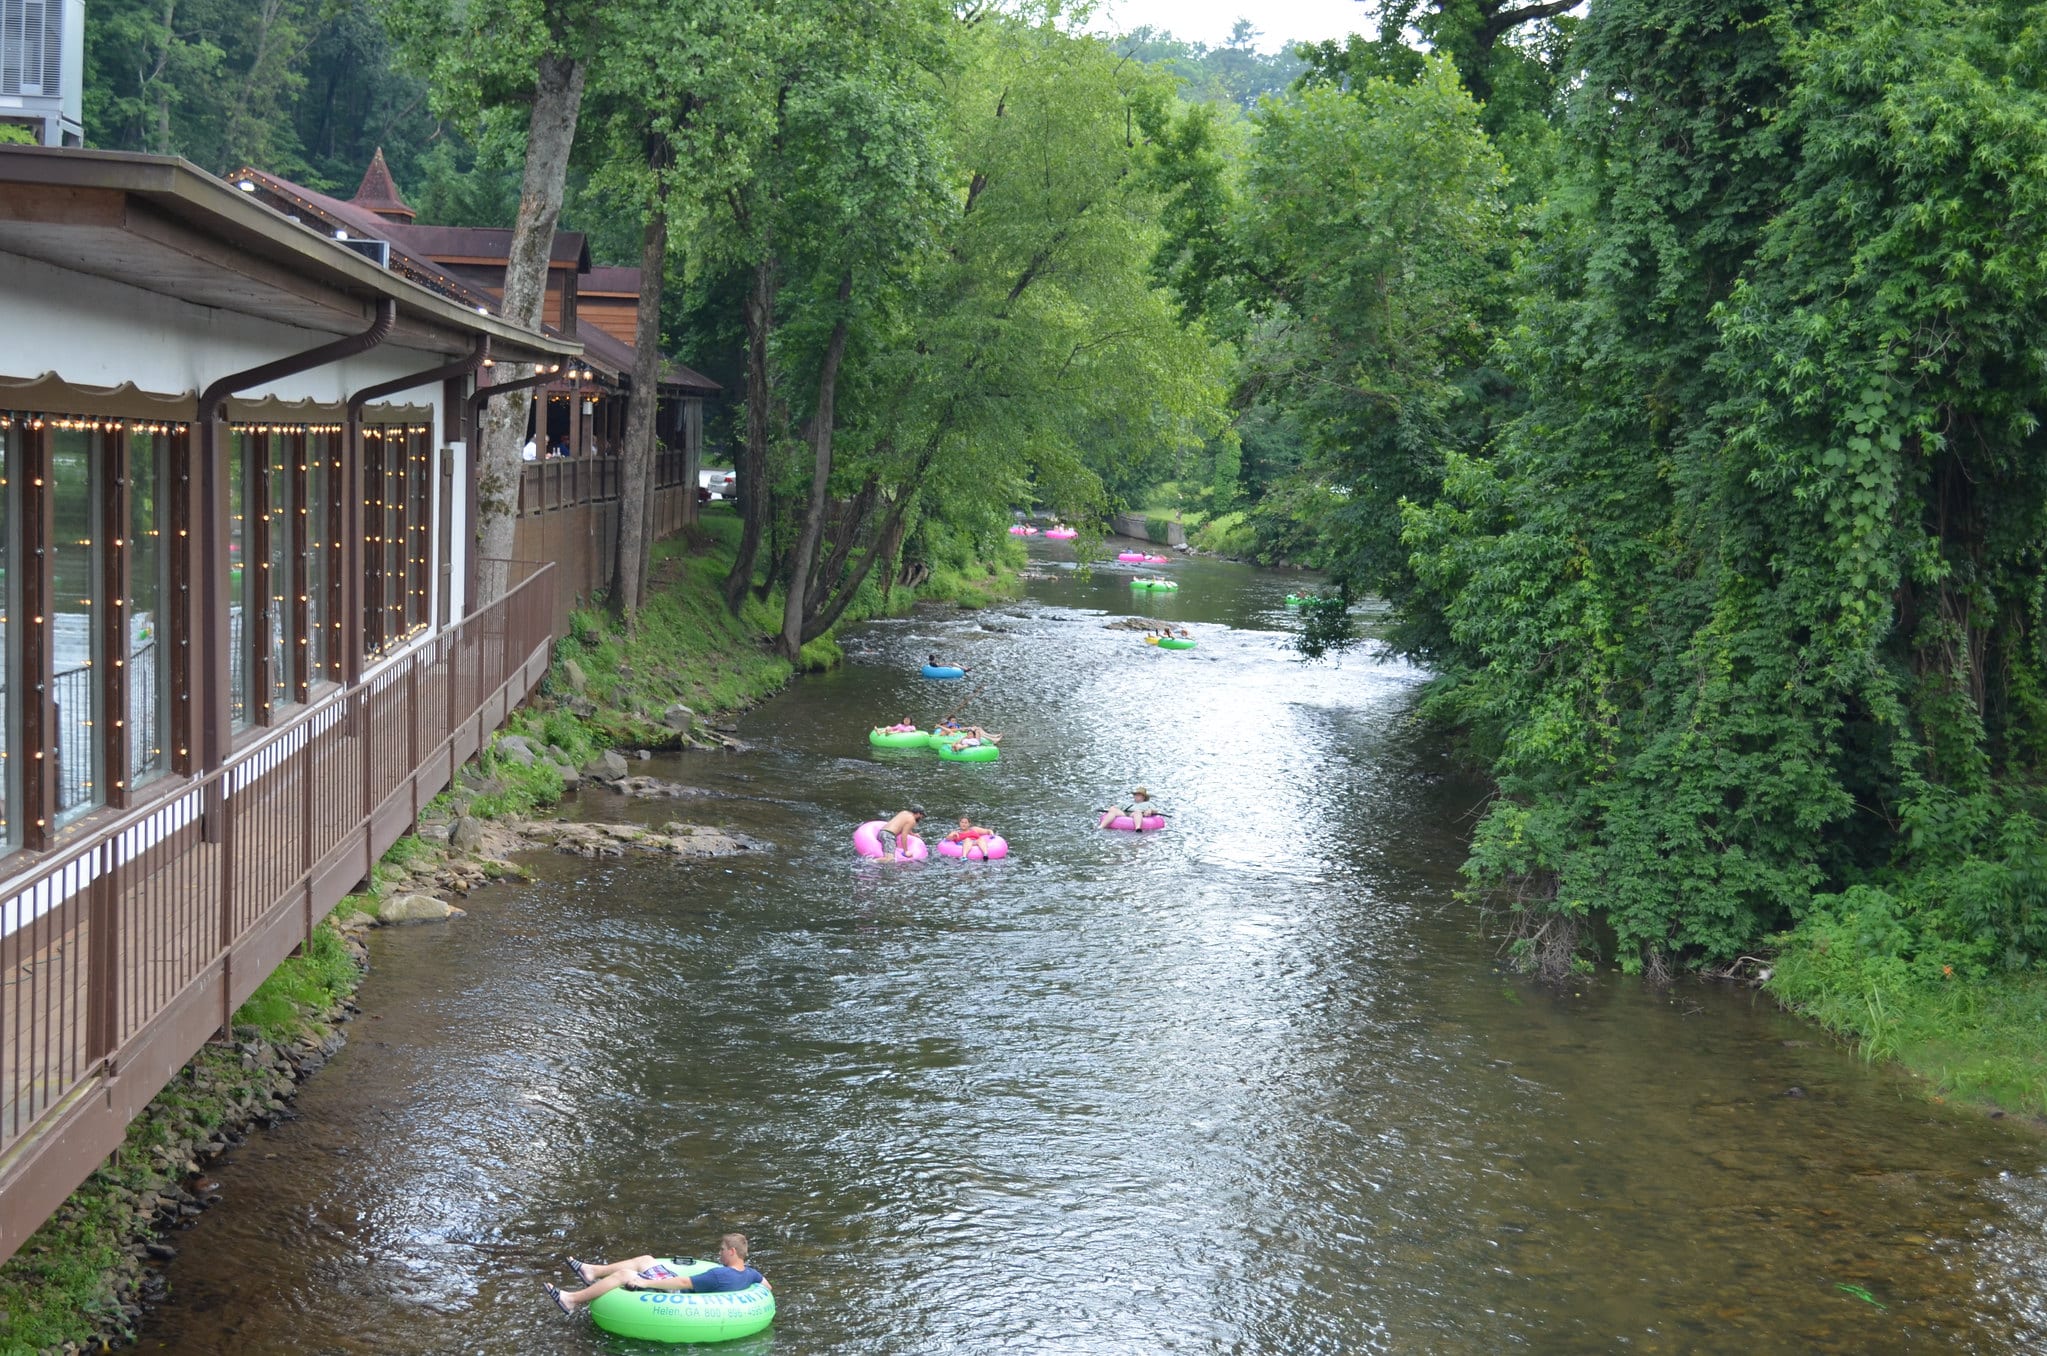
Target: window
[(75, 620), (323, 465), (10, 689), (398, 493), (148, 558), (89, 580), (418, 530), (241, 453), (277, 589)]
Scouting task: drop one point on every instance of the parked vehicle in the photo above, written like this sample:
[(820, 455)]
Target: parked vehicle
[(722, 483)]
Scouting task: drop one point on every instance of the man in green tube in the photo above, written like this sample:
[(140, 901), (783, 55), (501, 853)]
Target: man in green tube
[(646, 1272)]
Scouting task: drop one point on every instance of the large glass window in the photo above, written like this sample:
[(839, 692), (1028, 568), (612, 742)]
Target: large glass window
[(394, 537), (373, 541), (149, 599), (75, 621), (241, 454), (322, 459), (10, 690), (277, 590), (419, 530)]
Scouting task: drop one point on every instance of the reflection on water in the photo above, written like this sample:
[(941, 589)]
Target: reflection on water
[(1253, 1084)]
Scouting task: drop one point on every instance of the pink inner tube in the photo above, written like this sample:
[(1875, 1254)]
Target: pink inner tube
[(1140, 558), (993, 848), (1061, 533), (867, 842), (1022, 531), (1150, 822)]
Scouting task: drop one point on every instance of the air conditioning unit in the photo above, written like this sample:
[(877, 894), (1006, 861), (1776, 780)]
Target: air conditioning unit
[(377, 252), (42, 68)]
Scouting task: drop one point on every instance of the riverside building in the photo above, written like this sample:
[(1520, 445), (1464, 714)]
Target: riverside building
[(244, 634)]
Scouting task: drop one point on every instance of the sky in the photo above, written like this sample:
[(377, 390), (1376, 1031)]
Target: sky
[(1209, 21)]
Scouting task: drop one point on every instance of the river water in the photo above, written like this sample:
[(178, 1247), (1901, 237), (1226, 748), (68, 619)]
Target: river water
[(1254, 1084)]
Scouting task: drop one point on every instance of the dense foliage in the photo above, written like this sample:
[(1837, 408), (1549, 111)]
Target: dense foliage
[(1709, 481)]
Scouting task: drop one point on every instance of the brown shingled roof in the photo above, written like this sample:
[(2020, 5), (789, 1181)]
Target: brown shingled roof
[(492, 243), (616, 282), (379, 193), (615, 357)]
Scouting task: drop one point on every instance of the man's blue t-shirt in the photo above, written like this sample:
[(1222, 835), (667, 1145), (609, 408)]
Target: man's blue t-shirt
[(722, 1278)]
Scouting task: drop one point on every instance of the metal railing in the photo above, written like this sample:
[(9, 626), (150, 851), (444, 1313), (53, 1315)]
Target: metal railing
[(123, 951)]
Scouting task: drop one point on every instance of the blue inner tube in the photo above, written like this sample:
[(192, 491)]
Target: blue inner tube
[(943, 671)]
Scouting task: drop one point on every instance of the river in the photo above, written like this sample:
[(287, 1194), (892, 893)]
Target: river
[(1255, 1084)]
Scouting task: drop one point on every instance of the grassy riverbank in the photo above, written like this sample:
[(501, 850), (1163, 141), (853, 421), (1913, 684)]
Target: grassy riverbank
[(1977, 1038), (83, 1277)]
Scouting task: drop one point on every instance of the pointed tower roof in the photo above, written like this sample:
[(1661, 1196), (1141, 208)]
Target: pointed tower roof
[(379, 194)]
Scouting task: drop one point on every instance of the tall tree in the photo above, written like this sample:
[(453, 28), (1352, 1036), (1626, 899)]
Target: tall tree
[(492, 54), (1376, 233), (674, 109)]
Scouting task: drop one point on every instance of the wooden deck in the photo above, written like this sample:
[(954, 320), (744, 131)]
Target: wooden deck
[(125, 949)]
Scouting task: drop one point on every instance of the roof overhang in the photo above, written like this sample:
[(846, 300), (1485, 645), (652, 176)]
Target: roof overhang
[(163, 225)]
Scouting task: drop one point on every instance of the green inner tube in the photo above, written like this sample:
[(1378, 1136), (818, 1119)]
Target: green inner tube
[(1174, 643), (908, 739), (1154, 585), (980, 753), (684, 1315), (1295, 600)]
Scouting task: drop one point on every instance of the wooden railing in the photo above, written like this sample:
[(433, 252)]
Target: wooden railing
[(560, 483), (122, 953)]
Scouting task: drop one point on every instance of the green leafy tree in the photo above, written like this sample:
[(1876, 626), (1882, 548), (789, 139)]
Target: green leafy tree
[(1376, 231), (1651, 775)]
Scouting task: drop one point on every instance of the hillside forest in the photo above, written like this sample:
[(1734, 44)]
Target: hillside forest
[(1671, 368)]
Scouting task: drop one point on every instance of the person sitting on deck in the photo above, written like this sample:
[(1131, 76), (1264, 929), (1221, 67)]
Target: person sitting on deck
[(646, 1272)]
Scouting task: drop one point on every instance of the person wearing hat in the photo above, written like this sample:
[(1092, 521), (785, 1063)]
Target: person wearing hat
[(900, 823), (1140, 806)]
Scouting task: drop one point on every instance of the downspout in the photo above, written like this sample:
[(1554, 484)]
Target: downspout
[(484, 393), (215, 720), (460, 367), (351, 434)]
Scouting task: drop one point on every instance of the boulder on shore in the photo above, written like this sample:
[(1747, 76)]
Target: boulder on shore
[(607, 766), (515, 749), (416, 909)]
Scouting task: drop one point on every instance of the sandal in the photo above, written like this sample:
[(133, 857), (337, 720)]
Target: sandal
[(559, 1302), (582, 1270)]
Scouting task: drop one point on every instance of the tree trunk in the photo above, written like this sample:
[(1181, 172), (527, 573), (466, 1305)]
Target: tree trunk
[(887, 542), (636, 495), (753, 465), (796, 604), (557, 101)]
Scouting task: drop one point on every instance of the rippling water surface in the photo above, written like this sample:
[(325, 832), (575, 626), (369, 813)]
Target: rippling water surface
[(1253, 1084)]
